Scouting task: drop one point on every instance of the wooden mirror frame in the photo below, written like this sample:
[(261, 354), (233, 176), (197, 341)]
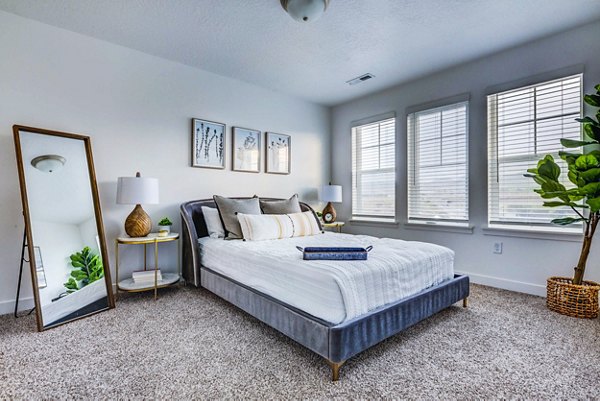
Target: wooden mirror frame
[(26, 215)]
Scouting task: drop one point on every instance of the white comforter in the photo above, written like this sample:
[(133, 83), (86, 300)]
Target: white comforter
[(334, 291)]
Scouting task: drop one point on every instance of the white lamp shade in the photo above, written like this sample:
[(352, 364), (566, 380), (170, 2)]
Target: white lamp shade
[(331, 193), (137, 191)]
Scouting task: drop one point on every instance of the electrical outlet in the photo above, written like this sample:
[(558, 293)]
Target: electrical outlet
[(498, 247)]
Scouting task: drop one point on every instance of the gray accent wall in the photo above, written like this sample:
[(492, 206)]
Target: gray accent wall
[(526, 262)]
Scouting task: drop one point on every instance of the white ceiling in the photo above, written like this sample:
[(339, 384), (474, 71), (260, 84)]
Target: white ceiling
[(255, 41), (64, 196)]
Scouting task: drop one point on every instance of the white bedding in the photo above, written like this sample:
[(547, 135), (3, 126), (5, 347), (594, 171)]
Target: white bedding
[(334, 291)]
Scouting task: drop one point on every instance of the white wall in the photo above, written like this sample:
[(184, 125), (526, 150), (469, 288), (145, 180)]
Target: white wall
[(57, 243), (137, 109), (89, 233), (525, 263)]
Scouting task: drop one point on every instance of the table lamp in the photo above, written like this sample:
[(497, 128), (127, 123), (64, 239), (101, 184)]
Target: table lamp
[(135, 191), (330, 193)]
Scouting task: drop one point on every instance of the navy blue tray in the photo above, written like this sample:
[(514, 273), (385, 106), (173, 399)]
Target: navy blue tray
[(334, 253)]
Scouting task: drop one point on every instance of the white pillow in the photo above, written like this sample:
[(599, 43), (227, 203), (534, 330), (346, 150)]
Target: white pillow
[(213, 222), (259, 227)]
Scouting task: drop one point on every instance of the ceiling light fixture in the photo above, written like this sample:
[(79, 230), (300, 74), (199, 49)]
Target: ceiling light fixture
[(48, 163), (305, 10)]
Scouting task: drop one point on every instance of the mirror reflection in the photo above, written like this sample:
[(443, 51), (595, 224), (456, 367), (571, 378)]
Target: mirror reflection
[(67, 250)]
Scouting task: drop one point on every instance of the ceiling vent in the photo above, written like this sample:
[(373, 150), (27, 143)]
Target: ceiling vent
[(362, 78)]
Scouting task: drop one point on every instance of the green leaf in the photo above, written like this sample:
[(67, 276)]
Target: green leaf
[(571, 143), (573, 176), (592, 131), (591, 190), (71, 285), (566, 220), (555, 204), (594, 203), (568, 156), (539, 180), (585, 162), (592, 100), (548, 169), (553, 187), (597, 87), (590, 175), (586, 120)]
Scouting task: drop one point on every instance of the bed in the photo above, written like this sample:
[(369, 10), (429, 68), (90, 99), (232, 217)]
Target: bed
[(336, 332)]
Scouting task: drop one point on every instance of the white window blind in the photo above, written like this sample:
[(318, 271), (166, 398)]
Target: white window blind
[(438, 172), (373, 170), (525, 124)]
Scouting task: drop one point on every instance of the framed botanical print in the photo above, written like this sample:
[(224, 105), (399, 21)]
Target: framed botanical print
[(278, 153), (246, 150), (208, 144)]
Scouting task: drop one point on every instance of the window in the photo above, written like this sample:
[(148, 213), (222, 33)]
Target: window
[(438, 171), (525, 124), (373, 170)]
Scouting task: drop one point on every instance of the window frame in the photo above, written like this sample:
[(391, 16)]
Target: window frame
[(357, 175), (412, 171), (522, 228)]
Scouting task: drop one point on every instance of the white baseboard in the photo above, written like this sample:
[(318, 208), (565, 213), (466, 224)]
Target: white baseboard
[(8, 307), (511, 285)]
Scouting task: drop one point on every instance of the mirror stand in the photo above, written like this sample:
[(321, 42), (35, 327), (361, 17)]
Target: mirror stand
[(23, 260)]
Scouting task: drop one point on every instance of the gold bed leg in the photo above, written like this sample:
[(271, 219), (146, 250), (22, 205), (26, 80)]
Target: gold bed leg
[(335, 369), (465, 302)]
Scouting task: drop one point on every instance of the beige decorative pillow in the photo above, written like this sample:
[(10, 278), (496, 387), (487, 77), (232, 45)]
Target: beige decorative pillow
[(228, 209), (277, 226)]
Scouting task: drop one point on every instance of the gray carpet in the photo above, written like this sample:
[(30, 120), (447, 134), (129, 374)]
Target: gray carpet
[(190, 344)]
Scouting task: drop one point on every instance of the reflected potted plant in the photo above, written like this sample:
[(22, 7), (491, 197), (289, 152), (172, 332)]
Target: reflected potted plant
[(575, 297), (164, 226), (87, 268)]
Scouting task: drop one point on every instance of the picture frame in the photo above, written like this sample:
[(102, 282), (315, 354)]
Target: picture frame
[(208, 144), (278, 151), (246, 145), (39, 268)]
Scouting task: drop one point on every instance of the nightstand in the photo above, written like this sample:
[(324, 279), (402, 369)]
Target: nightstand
[(337, 225), (168, 278)]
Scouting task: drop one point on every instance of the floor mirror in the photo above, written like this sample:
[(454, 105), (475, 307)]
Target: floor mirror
[(63, 224)]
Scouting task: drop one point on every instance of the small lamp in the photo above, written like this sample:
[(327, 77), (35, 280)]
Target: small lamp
[(330, 193), (135, 191)]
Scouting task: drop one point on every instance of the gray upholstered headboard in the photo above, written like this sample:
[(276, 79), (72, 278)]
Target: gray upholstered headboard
[(194, 227)]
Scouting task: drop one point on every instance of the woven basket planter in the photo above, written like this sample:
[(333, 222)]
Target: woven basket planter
[(573, 300)]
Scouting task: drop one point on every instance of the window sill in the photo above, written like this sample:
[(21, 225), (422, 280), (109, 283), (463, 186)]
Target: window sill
[(446, 227), (533, 233), (374, 222)]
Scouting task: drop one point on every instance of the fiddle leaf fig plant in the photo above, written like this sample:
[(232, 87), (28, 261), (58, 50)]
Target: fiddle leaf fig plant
[(583, 171), (87, 268)]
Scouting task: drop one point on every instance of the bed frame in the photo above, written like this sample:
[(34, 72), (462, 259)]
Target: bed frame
[(335, 342)]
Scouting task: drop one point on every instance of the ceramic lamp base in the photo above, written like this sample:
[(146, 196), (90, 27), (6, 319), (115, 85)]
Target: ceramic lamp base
[(329, 215), (138, 223)]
